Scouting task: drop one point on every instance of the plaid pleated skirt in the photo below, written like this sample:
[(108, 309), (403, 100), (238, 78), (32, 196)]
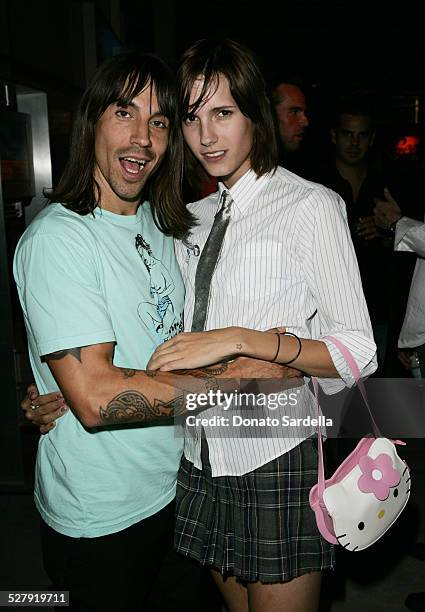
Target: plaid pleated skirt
[(256, 527)]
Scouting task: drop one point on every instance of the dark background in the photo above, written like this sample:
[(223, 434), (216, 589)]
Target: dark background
[(373, 48), (54, 46)]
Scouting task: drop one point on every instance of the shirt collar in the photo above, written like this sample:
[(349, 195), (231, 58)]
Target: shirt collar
[(245, 189)]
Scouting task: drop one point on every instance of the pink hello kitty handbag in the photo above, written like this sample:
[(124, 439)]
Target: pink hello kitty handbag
[(369, 490)]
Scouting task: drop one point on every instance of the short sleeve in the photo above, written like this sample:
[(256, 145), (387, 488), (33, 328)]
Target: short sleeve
[(59, 285)]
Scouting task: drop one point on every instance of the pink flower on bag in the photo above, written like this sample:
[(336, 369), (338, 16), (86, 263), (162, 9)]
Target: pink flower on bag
[(378, 475)]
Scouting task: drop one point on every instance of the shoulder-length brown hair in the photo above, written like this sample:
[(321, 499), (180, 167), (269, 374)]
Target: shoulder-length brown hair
[(120, 79), (210, 58)]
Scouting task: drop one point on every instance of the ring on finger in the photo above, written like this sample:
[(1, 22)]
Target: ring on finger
[(33, 406)]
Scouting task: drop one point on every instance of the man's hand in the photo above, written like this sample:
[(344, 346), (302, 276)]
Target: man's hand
[(249, 368), (266, 377), (404, 358), (43, 410), (366, 228), (386, 211)]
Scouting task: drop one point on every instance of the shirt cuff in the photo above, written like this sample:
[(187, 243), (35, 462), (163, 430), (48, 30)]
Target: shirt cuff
[(403, 226)]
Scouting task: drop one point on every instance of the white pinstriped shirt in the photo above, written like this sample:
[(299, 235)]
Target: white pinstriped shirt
[(410, 236), (287, 260)]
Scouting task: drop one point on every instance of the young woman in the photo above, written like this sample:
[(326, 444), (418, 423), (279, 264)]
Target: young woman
[(285, 259)]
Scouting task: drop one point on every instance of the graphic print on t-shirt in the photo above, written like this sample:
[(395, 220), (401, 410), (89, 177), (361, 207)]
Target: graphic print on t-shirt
[(158, 315)]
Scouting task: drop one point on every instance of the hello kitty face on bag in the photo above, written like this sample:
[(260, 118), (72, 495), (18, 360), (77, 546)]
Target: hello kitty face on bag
[(367, 501)]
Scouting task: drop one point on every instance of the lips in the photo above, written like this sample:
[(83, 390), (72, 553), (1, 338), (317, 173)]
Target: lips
[(214, 155), (132, 166)]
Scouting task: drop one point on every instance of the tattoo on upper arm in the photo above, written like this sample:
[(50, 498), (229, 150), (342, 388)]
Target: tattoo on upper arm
[(134, 406), (127, 373), (57, 355)]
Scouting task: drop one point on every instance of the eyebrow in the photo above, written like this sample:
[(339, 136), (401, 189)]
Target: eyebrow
[(120, 102), (217, 109)]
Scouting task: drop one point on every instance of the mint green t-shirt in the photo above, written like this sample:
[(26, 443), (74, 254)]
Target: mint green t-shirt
[(84, 280)]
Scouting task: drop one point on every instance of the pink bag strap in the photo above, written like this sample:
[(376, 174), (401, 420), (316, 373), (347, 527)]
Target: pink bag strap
[(357, 377)]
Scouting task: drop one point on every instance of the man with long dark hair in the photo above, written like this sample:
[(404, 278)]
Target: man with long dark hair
[(105, 490)]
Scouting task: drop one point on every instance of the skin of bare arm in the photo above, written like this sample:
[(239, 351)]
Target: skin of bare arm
[(100, 393), (198, 349)]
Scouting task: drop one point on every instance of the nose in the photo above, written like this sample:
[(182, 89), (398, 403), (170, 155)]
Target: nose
[(355, 139), (140, 134), (381, 514), (304, 122), (207, 135)]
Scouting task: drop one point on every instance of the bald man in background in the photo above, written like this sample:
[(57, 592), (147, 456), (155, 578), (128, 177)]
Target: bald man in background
[(291, 113)]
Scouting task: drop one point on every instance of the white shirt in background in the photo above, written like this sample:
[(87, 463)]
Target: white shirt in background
[(410, 236)]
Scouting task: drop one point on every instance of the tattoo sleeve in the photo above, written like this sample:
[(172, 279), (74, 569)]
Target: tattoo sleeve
[(134, 406)]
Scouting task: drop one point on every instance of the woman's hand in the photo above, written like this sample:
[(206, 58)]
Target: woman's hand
[(198, 349), (43, 410)]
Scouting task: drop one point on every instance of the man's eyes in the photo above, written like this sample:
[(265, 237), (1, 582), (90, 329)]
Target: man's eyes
[(122, 113), (157, 123), (349, 134)]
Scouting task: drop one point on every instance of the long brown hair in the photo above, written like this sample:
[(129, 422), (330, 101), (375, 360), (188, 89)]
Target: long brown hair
[(210, 58), (120, 79)]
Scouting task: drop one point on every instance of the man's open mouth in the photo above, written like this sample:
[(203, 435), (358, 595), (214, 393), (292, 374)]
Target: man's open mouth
[(132, 164)]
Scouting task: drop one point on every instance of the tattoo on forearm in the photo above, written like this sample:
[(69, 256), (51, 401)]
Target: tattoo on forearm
[(134, 406), (127, 373), (75, 352), (207, 372)]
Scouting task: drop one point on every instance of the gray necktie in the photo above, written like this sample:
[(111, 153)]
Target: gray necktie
[(208, 261)]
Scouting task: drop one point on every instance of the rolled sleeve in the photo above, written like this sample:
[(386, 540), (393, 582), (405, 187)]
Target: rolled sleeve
[(410, 236), (334, 280)]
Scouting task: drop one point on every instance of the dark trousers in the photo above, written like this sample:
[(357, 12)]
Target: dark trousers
[(134, 570)]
